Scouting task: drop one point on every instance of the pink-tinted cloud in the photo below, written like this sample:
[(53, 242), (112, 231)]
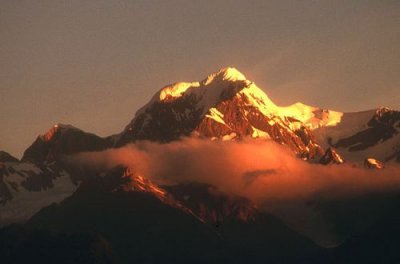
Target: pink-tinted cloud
[(259, 170)]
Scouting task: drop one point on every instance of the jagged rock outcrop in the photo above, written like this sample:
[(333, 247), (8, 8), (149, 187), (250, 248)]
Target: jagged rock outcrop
[(226, 106), (331, 157), (6, 157), (382, 126), (372, 163), (63, 140), (212, 205)]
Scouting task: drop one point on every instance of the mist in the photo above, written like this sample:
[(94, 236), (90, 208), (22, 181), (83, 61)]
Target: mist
[(258, 170), (313, 199)]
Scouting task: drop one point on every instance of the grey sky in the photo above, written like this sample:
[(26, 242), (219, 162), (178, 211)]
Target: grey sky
[(93, 63)]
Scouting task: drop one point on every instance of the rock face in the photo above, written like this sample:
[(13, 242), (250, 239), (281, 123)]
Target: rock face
[(25, 188), (384, 124), (212, 205), (372, 163), (226, 106), (331, 157), (145, 223), (5, 193), (373, 133), (41, 177), (6, 157), (63, 140)]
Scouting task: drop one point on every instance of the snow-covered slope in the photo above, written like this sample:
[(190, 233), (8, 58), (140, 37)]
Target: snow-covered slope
[(226, 106), (25, 188), (361, 135), (310, 116), (219, 85)]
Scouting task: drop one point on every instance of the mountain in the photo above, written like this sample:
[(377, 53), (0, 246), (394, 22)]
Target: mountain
[(117, 215), (6, 157), (145, 223), (361, 135), (63, 140), (331, 157), (21, 245), (212, 205), (226, 106), (25, 188), (42, 177), (223, 106), (377, 244)]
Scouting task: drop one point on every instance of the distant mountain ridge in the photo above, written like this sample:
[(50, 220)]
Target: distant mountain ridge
[(61, 140)]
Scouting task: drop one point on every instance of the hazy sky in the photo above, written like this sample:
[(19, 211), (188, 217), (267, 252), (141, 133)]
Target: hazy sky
[(94, 63)]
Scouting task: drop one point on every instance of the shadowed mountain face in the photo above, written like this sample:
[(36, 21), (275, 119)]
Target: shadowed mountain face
[(118, 219), (5, 193), (42, 177), (63, 140), (6, 157), (370, 134), (212, 205), (223, 106), (331, 157), (21, 245), (378, 244), (384, 124), (140, 226)]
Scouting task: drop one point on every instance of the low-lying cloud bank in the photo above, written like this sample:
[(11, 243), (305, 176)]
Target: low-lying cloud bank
[(258, 170)]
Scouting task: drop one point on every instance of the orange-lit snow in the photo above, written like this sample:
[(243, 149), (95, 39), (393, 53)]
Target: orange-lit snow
[(176, 90), (216, 115), (257, 133), (225, 74), (208, 92), (375, 163), (310, 116)]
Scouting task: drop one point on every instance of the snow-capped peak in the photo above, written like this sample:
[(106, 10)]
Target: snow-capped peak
[(225, 74), (207, 91), (176, 90), (229, 78), (310, 116), (186, 103)]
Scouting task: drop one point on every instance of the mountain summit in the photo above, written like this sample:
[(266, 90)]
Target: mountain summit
[(61, 140), (225, 105)]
